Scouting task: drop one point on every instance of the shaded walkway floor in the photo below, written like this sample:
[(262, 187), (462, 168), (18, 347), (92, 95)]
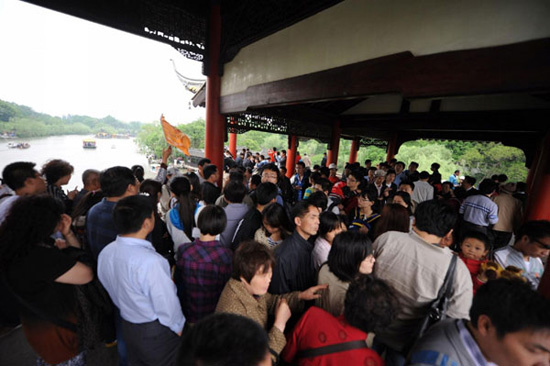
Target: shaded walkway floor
[(15, 351)]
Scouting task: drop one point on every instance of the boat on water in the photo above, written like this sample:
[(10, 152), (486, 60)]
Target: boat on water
[(89, 144), (19, 145)]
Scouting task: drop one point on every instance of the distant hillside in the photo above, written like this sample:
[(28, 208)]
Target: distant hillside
[(25, 122)]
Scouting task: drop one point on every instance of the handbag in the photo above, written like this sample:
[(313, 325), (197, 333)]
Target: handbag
[(438, 307)]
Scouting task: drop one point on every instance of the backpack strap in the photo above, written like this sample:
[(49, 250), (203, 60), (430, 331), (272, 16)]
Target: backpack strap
[(333, 348)]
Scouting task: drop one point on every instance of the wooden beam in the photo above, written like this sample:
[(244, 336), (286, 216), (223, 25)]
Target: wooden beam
[(520, 67), (504, 121)]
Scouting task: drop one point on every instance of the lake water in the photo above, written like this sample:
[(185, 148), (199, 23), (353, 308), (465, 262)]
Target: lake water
[(109, 152)]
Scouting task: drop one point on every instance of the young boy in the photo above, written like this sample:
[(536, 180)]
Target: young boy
[(473, 251)]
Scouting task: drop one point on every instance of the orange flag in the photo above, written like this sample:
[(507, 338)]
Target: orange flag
[(175, 137)]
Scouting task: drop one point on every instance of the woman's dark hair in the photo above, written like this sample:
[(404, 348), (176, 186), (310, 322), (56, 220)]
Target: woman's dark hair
[(181, 188), (407, 199), (196, 184), (249, 257), (394, 217), (130, 213), (152, 188), (86, 203), (348, 250), (328, 221), (275, 216), (139, 172), (55, 169), (212, 220), (370, 304), (31, 220)]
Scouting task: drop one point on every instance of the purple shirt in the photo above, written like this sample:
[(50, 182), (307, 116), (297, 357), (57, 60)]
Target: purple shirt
[(203, 270)]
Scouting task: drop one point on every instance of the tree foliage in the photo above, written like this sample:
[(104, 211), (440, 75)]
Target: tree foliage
[(25, 122)]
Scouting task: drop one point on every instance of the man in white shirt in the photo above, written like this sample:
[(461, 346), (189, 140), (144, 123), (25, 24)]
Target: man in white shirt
[(532, 244), (423, 191)]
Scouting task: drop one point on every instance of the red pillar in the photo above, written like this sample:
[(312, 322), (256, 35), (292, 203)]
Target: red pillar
[(544, 286), (215, 122), (334, 144), (533, 170), (392, 148), (291, 155), (233, 144), (353, 151), (538, 204)]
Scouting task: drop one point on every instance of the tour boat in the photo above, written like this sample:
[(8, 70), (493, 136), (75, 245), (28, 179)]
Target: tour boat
[(19, 145), (89, 144)]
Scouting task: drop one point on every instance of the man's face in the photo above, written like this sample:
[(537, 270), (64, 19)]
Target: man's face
[(37, 184), (523, 348), (299, 169), (352, 183), (216, 175), (309, 224), (412, 168), (537, 248), (94, 182), (390, 178), (405, 188), (269, 176), (399, 168), (379, 180)]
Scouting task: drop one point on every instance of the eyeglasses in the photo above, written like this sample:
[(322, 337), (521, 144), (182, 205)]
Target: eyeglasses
[(269, 176), (544, 245)]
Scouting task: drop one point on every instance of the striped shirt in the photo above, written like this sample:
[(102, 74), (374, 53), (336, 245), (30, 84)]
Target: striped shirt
[(479, 210), (203, 269), (471, 345)]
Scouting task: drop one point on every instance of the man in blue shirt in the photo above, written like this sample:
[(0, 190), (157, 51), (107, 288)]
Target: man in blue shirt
[(116, 183), (139, 282), (454, 178)]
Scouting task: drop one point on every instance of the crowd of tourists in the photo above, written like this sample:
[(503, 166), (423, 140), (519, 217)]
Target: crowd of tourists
[(380, 264)]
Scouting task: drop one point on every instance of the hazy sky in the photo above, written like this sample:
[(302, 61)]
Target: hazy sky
[(58, 64)]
